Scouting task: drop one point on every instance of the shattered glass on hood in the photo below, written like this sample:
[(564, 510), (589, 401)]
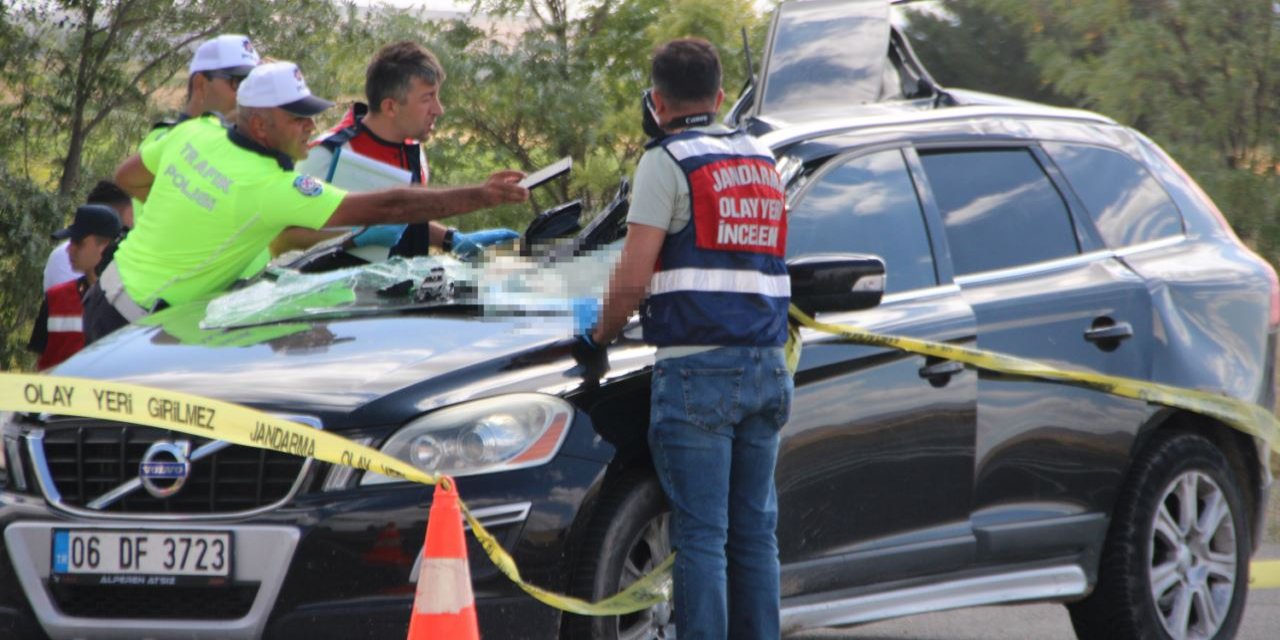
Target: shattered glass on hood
[(500, 285)]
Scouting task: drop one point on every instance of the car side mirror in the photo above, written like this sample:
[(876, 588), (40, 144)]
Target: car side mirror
[(836, 282)]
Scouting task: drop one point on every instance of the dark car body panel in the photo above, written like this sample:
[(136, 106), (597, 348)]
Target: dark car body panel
[(852, 426)]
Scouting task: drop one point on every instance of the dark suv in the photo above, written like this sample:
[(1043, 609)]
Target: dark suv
[(906, 484)]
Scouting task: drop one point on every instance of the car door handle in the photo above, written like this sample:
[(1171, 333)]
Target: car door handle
[(1118, 331), (939, 373)]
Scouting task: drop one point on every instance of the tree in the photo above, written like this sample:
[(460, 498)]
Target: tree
[(28, 214), (1200, 74), (570, 83), (90, 63), (79, 83), (971, 45), (88, 58)]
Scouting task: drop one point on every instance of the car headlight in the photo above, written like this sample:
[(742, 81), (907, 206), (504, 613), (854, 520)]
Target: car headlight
[(495, 434)]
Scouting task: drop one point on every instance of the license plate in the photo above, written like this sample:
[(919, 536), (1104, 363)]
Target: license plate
[(141, 557)]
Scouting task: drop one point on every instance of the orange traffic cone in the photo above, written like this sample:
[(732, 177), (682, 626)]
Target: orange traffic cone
[(444, 607)]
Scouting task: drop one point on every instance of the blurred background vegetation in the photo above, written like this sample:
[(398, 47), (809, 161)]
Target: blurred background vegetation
[(529, 81)]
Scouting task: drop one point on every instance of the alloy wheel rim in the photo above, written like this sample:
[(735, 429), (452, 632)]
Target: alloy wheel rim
[(649, 548), (1192, 568)]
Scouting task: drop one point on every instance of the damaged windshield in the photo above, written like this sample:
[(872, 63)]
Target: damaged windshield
[(499, 285)]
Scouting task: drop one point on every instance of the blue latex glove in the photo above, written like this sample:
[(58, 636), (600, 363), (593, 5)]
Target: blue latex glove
[(585, 313), (465, 244), (380, 235)]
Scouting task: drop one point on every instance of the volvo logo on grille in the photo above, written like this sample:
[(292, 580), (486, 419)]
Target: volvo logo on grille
[(165, 461)]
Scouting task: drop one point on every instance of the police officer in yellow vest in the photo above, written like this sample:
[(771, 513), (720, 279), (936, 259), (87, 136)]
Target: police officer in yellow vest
[(216, 70), (216, 196)]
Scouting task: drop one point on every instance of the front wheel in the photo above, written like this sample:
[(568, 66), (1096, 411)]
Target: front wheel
[(628, 536), (1176, 560)]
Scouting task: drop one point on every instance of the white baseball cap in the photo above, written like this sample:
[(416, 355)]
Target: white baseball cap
[(231, 53), (279, 84)]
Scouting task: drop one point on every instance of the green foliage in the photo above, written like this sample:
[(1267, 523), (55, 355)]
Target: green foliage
[(29, 212), (971, 45), (1251, 203), (85, 59), (1197, 73), (1198, 76), (565, 86), (720, 22)]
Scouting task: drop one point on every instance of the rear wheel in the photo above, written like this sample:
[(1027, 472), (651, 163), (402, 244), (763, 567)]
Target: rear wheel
[(628, 537), (1175, 564)]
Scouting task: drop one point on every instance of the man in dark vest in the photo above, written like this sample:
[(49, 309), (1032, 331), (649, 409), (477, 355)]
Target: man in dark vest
[(706, 236)]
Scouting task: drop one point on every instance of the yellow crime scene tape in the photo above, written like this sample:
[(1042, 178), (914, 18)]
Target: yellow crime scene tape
[(206, 417), (1249, 418), (220, 420)]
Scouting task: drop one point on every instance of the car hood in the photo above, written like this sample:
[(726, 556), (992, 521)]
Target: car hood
[(323, 366), (331, 342)]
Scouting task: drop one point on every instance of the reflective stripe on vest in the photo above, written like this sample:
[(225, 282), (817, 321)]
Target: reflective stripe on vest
[(65, 325), (721, 280), (729, 280)]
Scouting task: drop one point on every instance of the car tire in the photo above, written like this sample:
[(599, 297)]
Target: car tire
[(1174, 565), (628, 536)]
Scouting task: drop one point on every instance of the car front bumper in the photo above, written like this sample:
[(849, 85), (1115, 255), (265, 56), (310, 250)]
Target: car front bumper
[(337, 564)]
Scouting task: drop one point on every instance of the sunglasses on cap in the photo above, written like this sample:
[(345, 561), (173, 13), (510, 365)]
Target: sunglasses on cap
[(231, 79)]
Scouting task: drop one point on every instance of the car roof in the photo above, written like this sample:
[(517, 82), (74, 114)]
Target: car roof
[(907, 121)]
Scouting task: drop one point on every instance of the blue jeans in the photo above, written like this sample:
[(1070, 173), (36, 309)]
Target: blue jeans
[(714, 436)]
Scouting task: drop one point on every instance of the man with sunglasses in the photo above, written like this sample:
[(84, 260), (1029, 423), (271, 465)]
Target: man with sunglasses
[(215, 71)]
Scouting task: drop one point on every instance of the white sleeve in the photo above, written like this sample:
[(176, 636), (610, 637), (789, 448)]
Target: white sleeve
[(57, 269), (656, 198)]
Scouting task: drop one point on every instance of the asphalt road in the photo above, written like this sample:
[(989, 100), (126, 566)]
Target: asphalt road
[(1039, 621)]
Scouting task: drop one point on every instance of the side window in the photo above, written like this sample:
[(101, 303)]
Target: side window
[(999, 208), (867, 204), (1124, 200)]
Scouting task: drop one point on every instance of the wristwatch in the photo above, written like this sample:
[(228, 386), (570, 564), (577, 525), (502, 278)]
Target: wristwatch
[(446, 243)]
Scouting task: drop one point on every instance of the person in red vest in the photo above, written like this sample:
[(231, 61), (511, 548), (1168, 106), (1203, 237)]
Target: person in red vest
[(58, 334), (380, 144)]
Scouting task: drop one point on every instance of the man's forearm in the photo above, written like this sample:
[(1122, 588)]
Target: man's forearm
[(406, 205), (619, 303), (426, 205), (629, 280)]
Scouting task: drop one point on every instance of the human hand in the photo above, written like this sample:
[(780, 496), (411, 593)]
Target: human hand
[(585, 313), (592, 358), (465, 244), (502, 188), (379, 235)]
